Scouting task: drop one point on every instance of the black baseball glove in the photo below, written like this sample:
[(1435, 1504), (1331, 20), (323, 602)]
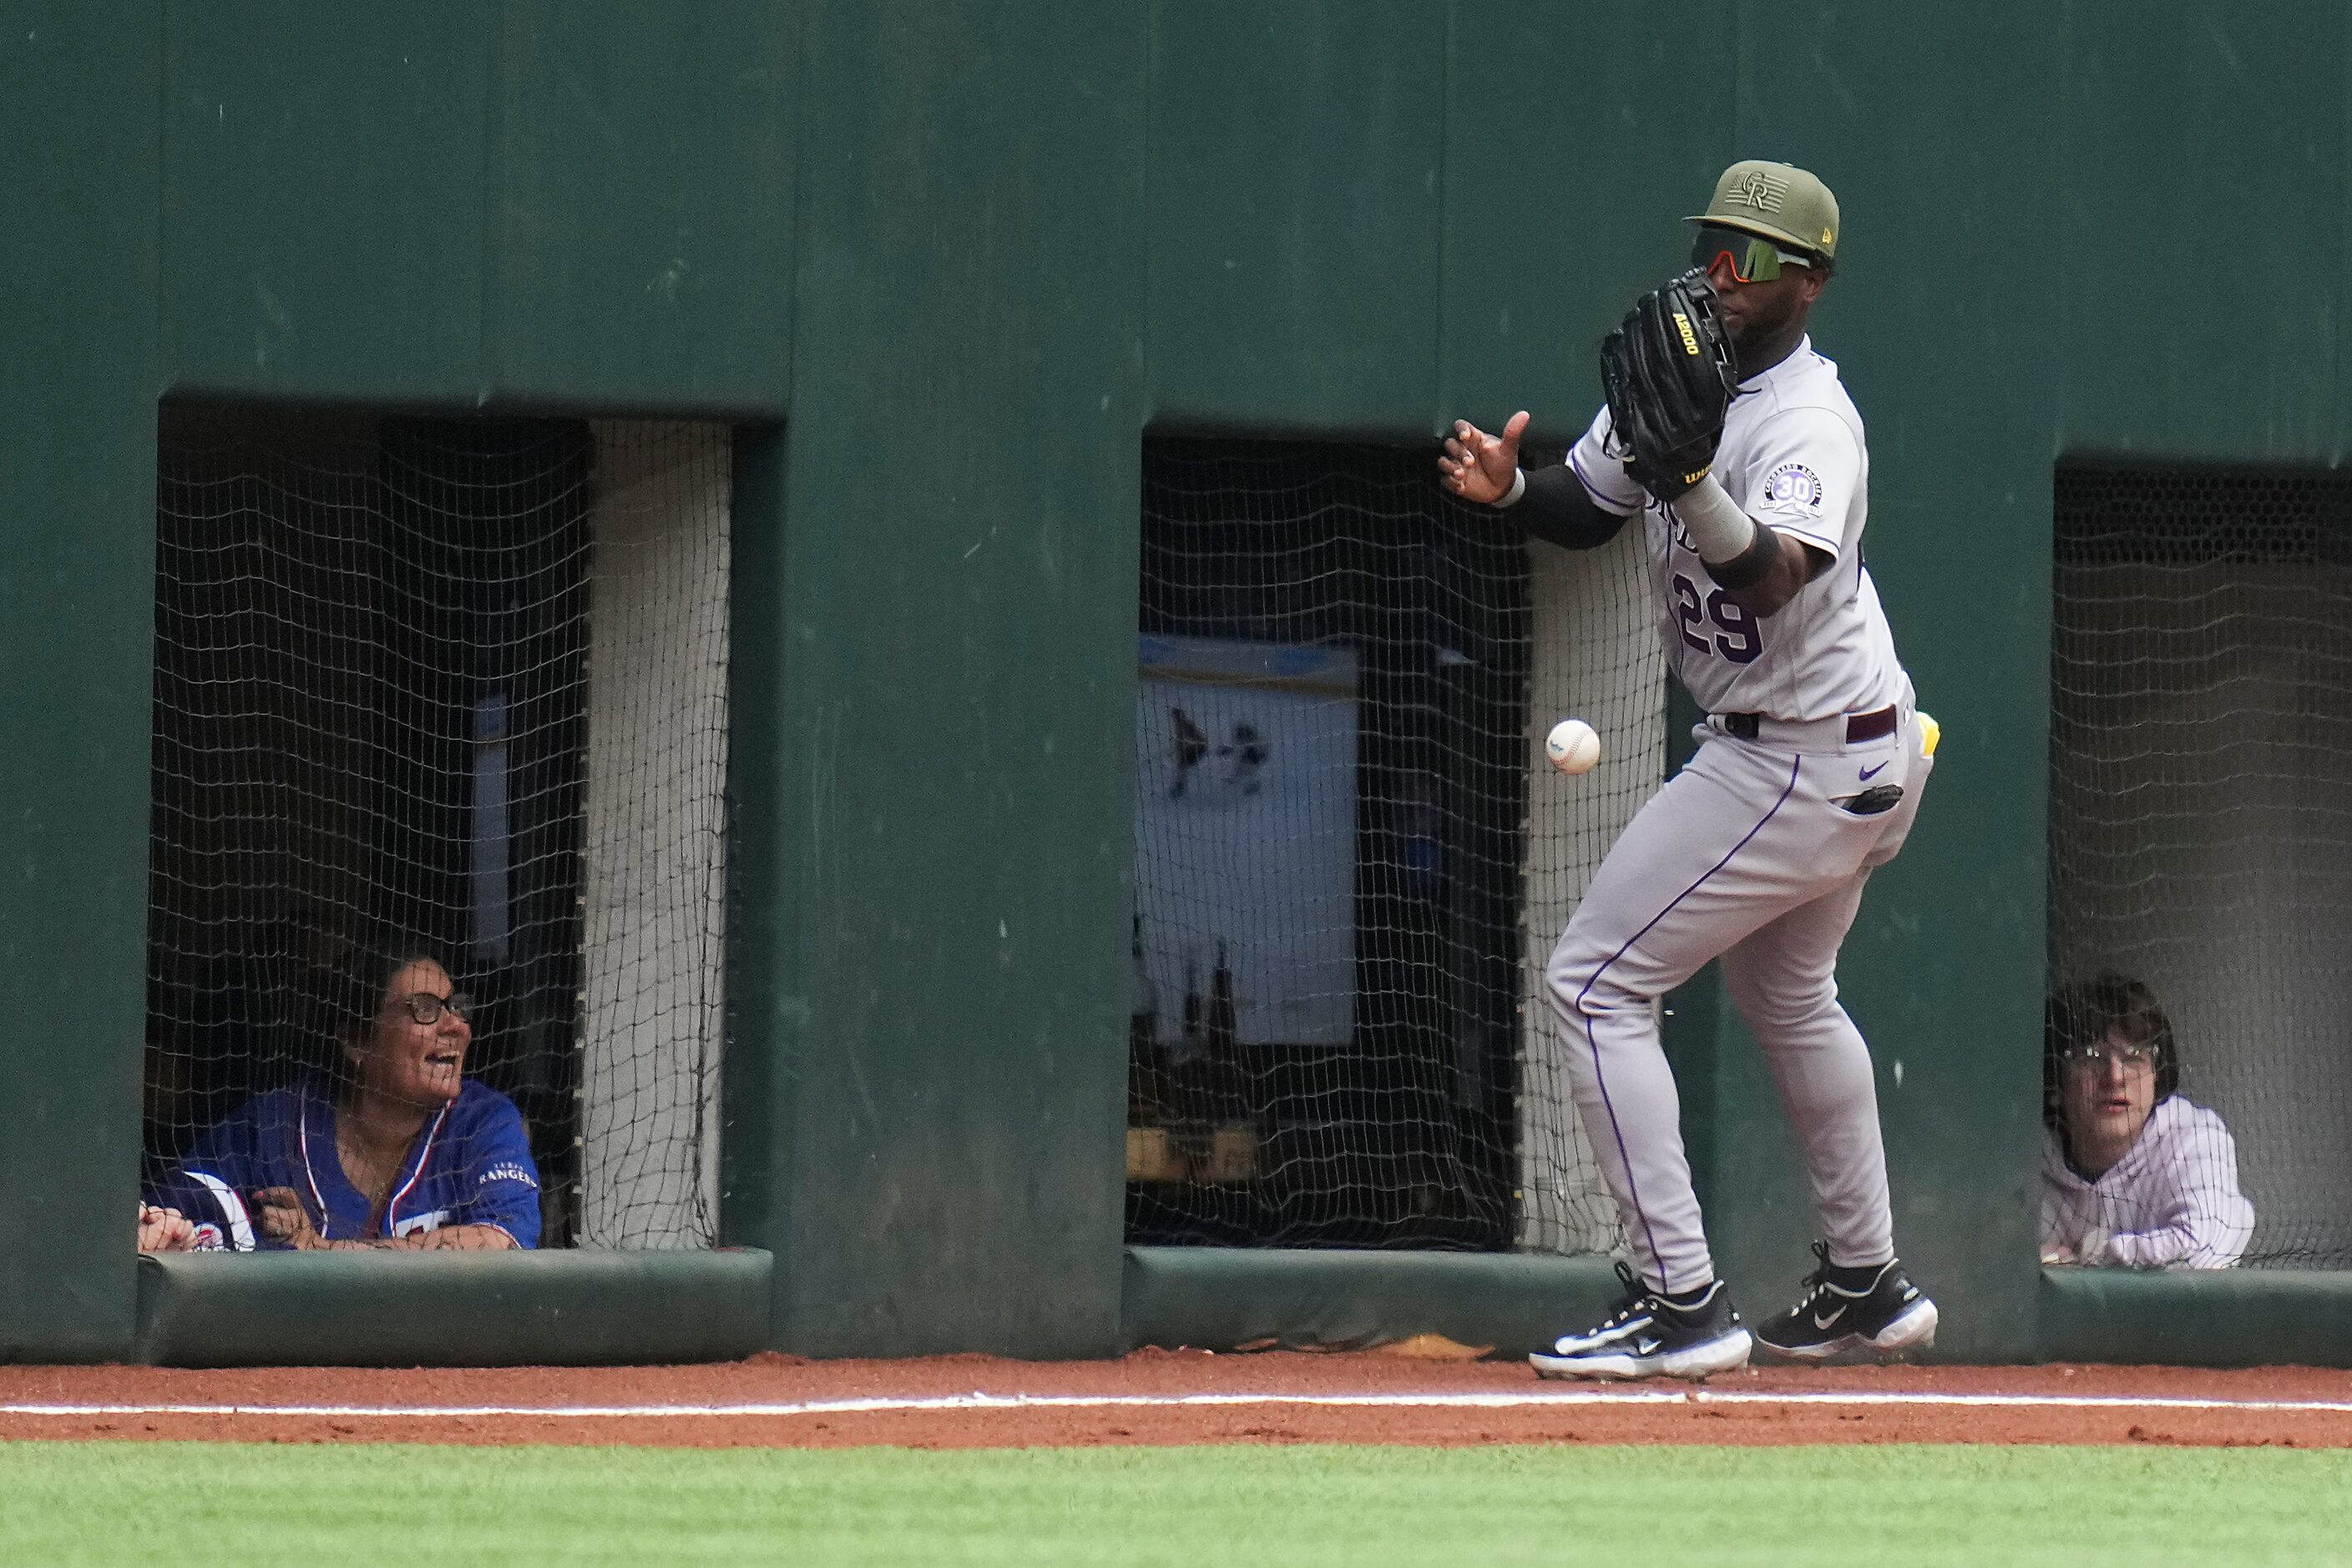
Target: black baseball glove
[(1667, 372)]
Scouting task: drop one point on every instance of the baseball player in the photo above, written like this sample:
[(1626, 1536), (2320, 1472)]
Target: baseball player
[(1807, 778)]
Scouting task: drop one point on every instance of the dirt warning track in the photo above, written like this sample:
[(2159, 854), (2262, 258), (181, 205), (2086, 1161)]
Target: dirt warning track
[(1173, 1397)]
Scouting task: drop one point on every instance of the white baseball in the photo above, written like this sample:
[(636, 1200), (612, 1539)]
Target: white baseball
[(1572, 746)]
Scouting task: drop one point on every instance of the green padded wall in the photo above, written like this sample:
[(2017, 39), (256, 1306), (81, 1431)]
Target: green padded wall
[(1295, 158), (953, 737), (1558, 203), (641, 252), (763, 1002), (2237, 1317), (469, 1308), (527, 203), (2225, 337), (324, 199), (77, 83)]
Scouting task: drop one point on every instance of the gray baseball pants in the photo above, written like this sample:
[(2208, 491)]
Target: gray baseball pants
[(1749, 853)]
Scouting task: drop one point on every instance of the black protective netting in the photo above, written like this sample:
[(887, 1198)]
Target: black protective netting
[(463, 678), (1340, 860), (2201, 824)]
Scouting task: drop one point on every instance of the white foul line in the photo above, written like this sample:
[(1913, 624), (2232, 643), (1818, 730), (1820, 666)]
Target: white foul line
[(980, 1401)]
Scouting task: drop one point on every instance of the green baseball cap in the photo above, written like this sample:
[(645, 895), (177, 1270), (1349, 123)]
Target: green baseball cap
[(1779, 201)]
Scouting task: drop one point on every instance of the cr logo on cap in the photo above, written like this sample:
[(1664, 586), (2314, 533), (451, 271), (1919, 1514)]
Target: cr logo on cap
[(1759, 190)]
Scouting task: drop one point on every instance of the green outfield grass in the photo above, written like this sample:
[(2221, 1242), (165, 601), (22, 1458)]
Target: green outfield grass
[(190, 1505)]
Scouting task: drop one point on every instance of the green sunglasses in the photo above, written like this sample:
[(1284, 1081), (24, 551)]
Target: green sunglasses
[(1754, 258)]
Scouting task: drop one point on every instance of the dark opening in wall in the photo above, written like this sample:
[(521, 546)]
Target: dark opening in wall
[(2200, 802), (463, 680), (1331, 757)]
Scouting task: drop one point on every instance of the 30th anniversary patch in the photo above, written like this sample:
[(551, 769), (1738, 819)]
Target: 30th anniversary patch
[(1793, 486)]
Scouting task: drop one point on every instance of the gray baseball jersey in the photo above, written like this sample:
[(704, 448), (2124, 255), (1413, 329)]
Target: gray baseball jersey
[(1758, 851), (1792, 455)]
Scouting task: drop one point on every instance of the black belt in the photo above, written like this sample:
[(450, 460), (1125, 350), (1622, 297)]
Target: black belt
[(1859, 727)]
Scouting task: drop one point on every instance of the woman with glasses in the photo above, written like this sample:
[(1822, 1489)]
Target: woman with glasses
[(393, 1149), (2132, 1175)]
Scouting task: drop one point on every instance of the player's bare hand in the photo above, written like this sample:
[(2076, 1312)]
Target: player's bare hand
[(1478, 466), (165, 1230), (283, 1218)]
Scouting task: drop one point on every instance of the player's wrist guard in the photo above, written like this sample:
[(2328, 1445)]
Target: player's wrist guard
[(1719, 531), (1751, 565), (1511, 496)]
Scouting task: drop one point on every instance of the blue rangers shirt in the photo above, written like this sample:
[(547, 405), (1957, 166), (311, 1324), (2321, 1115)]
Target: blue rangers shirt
[(471, 1165)]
